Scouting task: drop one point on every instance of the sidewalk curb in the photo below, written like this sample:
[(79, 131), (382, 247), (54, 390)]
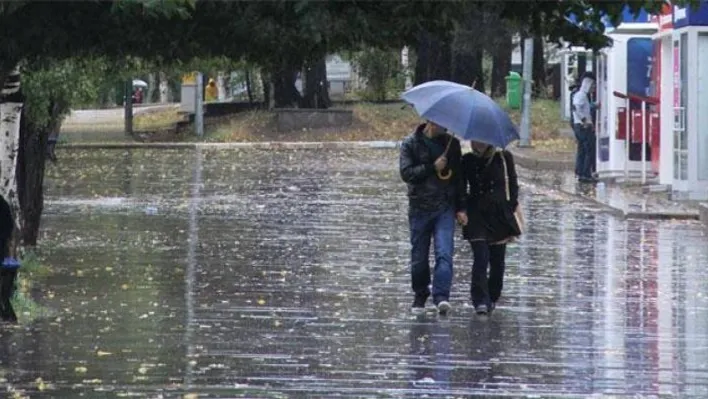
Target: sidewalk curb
[(703, 209), (261, 145), (640, 215), (623, 214)]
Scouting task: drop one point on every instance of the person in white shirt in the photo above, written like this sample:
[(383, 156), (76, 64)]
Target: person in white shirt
[(584, 130)]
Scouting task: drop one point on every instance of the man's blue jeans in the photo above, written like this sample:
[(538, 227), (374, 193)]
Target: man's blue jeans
[(439, 226), (585, 155)]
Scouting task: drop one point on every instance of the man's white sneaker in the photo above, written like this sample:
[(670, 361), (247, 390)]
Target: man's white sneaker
[(444, 307)]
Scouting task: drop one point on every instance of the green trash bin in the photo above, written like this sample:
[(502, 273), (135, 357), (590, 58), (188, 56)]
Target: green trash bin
[(513, 90)]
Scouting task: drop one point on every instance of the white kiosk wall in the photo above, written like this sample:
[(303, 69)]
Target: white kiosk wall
[(666, 164), (702, 113), (629, 56), (690, 119), (690, 101)]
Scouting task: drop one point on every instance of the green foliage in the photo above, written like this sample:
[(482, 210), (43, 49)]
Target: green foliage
[(52, 89), (32, 270), (10, 7), (137, 37), (381, 70), (207, 65), (157, 8)]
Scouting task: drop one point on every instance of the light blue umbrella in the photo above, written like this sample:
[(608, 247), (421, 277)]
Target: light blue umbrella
[(463, 111)]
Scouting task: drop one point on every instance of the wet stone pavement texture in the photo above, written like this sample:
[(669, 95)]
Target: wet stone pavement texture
[(268, 274), (627, 201)]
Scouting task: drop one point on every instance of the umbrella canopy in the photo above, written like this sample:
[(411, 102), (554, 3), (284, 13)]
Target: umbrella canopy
[(139, 83), (466, 113)]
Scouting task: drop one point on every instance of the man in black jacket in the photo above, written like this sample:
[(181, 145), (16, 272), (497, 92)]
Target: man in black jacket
[(430, 165)]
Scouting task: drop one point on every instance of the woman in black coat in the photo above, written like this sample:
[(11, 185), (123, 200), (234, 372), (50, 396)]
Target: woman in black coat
[(492, 196)]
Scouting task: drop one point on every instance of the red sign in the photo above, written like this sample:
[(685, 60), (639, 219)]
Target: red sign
[(666, 17), (655, 75), (655, 140), (677, 75)]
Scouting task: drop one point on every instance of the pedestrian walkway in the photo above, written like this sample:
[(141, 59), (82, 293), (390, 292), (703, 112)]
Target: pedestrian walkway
[(103, 125), (620, 199), (284, 273)]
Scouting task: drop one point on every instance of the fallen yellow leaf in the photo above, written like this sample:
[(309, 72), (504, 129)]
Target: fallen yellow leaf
[(81, 370), (261, 301)]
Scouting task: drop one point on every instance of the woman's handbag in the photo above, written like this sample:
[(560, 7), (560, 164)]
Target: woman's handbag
[(515, 218)]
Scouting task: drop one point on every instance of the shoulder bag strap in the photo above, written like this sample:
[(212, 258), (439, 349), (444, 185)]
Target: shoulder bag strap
[(506, 177)]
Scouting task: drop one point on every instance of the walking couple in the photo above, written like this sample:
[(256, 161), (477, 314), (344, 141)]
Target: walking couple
[(478, 190)]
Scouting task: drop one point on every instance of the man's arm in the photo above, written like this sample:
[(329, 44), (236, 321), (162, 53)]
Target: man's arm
[(412, 172)]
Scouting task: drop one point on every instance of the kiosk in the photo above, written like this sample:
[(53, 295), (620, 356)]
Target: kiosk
[(624, 119), (689, 100), (662, 157)]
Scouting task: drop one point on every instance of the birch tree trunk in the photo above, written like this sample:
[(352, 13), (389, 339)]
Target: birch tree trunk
[(152, 86), (164, 89), (221, 86), (11, 103)]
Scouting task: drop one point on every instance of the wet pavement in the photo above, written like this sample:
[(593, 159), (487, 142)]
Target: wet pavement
[(625, 200), (264, 274)]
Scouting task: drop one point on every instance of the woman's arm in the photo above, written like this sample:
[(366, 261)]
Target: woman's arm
[(471, 183)]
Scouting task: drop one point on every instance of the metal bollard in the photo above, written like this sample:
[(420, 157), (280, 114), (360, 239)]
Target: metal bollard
[(8, 285)]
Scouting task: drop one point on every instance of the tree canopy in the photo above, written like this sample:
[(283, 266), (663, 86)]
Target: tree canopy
[(271, 33)]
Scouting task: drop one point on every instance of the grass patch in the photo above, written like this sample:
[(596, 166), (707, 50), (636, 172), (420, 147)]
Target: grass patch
[(546, 121), (381, 122), (546, 126), (32, 270), (371, 122), (255, 125), (391, 121), (153, 120)]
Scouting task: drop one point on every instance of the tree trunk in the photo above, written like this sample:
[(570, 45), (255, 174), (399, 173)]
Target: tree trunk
[(249, 89), (128, 109), (405, 65), (501, 64), (267, 91), (151, 95), (433, 58), (164, 88), (285, 94), (539, 67), (467, 69), (31, 164), (316, 93), (11, 103), (221, 86)]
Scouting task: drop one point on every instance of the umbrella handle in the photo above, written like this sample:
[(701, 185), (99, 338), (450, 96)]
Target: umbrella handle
[(448, 146), (448, 175)]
